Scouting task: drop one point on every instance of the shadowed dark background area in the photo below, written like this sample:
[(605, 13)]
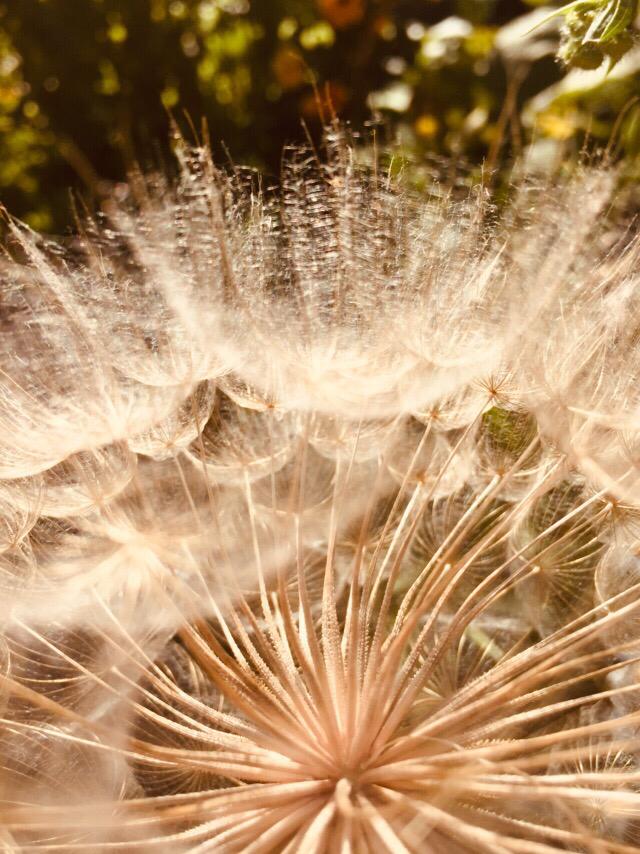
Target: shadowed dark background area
[(87, 87)]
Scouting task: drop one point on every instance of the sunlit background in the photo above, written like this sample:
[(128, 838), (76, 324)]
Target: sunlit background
[(89, 87)]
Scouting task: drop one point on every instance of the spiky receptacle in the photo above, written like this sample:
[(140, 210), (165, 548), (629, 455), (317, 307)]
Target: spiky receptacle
[(342, 579)]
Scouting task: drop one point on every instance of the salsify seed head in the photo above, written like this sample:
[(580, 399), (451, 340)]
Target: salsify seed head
[(319, 519)]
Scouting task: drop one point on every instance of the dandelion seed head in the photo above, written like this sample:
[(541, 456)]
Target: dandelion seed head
[(318, 519)]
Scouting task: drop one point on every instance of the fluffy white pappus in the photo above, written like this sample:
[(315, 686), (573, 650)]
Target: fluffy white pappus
[(344, 291), (319, 523)]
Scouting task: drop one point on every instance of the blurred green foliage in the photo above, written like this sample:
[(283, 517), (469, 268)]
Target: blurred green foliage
[(88, 87)]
